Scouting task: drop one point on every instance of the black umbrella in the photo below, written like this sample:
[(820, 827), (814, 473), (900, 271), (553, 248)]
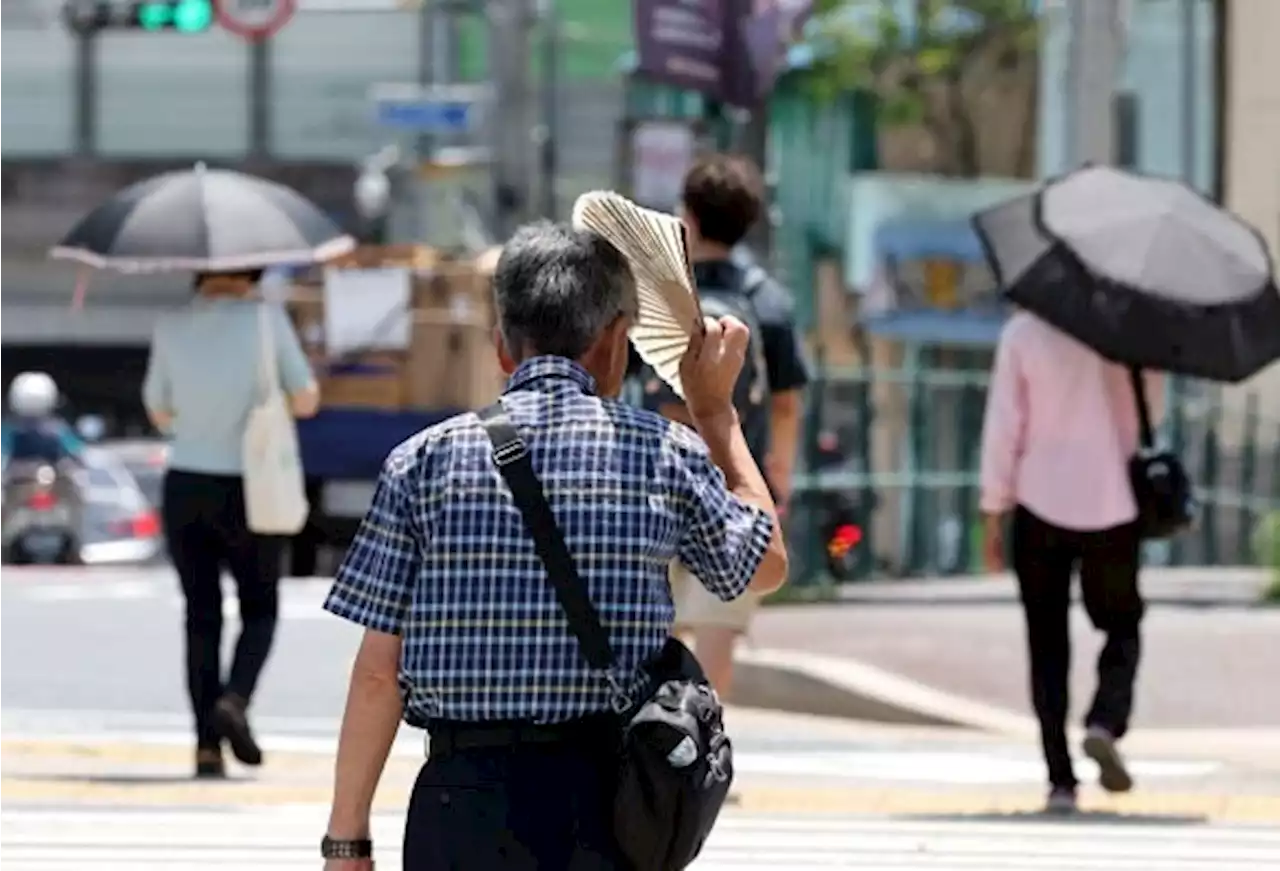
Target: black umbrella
[(1145, 271), (205, 220)]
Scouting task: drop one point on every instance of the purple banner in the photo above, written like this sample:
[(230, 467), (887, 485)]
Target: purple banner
[(682, 42), (729, 50)]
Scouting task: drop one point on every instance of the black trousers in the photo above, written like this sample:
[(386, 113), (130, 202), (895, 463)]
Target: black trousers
[(204, 520), (1044, 558), (537, 806)]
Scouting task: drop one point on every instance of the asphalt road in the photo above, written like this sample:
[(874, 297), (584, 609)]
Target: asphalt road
[(111, 640), (1203, 665)]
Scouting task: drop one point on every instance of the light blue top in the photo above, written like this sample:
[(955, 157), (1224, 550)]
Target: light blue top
[(204, 372)]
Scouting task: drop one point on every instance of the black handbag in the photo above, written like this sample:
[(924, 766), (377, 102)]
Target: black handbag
[(1161, 486), (676, 762)]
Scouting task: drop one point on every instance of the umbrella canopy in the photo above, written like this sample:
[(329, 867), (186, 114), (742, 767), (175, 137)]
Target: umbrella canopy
[(203, 219), (1146, 271)]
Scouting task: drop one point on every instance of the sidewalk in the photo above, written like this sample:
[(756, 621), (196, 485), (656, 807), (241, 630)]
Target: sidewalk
[(920, 648)]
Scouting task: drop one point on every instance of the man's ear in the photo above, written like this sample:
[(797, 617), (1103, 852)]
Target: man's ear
[(505, 360)]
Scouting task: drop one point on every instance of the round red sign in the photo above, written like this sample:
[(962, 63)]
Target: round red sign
[(254, 19)]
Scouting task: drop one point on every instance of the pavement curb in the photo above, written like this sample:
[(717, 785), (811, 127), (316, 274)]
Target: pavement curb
[(830, 686)]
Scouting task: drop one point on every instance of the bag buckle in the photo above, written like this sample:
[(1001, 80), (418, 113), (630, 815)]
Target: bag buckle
[(620, 700), (506, 454)]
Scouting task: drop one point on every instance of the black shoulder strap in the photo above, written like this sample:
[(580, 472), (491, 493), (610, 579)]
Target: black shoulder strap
[(512, 459), (753, 280), (1146, 434)]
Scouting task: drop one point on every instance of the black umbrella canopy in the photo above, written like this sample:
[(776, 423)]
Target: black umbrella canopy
[(203, 219), (1144, 270)]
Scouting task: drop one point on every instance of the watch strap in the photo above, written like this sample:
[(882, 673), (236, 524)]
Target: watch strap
[(359, 848)]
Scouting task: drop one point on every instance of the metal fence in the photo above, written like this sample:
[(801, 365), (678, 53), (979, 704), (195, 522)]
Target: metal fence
[(911, 466)]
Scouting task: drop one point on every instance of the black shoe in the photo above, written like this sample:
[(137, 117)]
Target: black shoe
[(1061, 801), (1100, 746), (233, 725), (209, 764)]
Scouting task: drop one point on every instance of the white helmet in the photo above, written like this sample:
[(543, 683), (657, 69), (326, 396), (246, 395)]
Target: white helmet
[(33, 394)]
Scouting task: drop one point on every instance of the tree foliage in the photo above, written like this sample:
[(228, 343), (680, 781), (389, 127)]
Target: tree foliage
[(918, 56)]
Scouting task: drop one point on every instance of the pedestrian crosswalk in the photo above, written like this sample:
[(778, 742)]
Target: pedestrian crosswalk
[(279, 839)]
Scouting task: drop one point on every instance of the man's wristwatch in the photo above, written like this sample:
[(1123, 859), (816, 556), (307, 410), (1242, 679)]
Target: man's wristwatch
[(360, 848)]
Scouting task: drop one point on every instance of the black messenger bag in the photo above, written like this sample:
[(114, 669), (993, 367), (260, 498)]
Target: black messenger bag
[(676, 762), (1161, 487)]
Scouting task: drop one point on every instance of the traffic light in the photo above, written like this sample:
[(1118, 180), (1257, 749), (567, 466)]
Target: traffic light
[(184, 16), (180, 16)]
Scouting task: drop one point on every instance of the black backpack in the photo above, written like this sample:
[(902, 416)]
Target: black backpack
[(733, 295), (752, 389)]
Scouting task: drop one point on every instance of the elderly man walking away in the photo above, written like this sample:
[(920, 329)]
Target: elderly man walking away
[(464, 635)]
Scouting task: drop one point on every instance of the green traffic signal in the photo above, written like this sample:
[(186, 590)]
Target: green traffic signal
[(190, 16), (184, 16)]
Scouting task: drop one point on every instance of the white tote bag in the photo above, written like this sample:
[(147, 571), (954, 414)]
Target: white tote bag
[(275, 495)]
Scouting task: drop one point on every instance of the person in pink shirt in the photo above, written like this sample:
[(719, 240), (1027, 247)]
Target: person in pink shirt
[(1060, 427)]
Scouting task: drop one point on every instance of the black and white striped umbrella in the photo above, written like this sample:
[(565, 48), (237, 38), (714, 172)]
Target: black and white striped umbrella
[(201, 219)]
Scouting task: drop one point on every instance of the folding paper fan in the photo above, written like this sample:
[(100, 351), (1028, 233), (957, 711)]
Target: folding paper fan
[(654, 244)]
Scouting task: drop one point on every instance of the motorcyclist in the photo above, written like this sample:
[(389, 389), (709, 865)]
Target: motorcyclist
[(35, 429)]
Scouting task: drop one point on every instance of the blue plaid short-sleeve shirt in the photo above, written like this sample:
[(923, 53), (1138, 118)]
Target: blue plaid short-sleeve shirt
[(443, 559)]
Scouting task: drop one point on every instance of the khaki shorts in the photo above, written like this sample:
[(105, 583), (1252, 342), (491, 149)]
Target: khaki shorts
[(696, 606)]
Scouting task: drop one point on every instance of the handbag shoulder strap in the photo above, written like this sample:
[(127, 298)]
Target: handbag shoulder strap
[(268, 372), (511, 456), (1146, 433)]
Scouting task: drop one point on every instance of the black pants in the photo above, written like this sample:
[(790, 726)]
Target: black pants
[(1044, 558), (204, 520), (519, 807)]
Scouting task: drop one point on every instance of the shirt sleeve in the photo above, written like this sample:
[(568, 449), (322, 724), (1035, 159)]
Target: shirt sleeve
[(374, 584), (295, 371), (784, 356), (724, 539), (157, 388), (1002, 429)]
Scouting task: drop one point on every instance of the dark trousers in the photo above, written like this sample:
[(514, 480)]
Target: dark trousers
[(204, 520), (543, 806), (1044, 558)]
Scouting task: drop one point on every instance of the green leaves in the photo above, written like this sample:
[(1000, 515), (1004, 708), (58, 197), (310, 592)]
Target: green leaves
[(915, 58), (876, 45)]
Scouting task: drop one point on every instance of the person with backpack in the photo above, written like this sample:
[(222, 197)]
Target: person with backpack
[(722, 198)]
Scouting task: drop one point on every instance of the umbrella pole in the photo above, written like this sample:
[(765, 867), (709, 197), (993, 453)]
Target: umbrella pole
[(82, 287)]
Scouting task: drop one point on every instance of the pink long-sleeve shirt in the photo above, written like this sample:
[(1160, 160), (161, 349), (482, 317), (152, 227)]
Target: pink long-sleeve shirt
[(1060, 427)]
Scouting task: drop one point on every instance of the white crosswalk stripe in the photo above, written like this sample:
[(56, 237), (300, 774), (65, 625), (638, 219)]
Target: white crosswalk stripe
[(300, 598), (278, 839)]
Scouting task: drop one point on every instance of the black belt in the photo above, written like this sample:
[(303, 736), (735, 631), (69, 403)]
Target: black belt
[(449, 736)]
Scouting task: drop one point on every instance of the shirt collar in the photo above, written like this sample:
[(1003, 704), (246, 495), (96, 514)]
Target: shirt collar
[(548, 367)]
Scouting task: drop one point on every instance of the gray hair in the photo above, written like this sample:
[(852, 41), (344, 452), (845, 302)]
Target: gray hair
[(557, 288)]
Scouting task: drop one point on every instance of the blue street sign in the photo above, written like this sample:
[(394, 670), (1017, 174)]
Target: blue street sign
[(425, 113)]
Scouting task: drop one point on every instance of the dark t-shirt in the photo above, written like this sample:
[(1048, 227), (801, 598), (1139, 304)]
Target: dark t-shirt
[(780, 345)]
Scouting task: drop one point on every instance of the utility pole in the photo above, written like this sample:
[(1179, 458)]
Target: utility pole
[(548, 147), (261, 108), (510, 22), (1096, 47)]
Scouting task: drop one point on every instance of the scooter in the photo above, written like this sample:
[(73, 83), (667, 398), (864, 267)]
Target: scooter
[(40, 516)]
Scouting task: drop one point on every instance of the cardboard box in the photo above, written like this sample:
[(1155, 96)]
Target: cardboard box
[(452, 362), (375, 380)]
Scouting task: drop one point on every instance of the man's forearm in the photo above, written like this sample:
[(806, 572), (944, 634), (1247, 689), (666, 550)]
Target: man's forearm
[(729, 451), (728, 448), (784, 437), (369, 726)]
